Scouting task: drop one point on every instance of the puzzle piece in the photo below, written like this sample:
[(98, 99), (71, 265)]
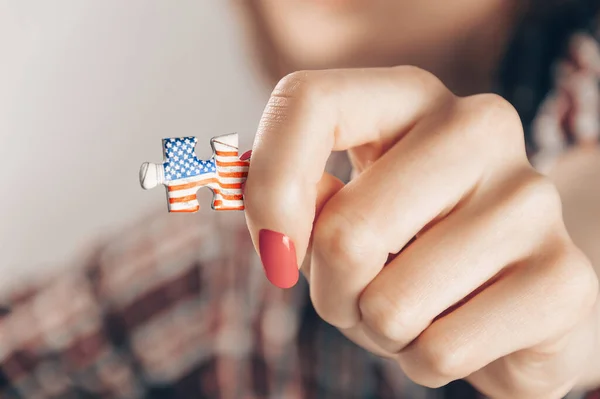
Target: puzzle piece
[(183, 173)]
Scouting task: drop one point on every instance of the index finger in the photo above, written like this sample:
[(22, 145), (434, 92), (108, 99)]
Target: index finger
[(309, 115)]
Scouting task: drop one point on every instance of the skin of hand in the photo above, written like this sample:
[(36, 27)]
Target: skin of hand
[(576, 175), (447, 252)]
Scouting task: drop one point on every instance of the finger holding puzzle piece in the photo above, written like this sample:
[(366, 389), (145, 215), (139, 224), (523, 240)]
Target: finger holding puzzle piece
[(183, 173)]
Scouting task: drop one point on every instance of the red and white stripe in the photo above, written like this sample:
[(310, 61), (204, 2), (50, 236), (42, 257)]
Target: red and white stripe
[(226, 183)]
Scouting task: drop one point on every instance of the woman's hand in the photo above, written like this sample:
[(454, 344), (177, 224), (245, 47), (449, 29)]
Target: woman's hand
[(492, 289)]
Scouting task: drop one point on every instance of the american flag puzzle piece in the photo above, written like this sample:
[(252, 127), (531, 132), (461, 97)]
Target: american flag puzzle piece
[(183, 173)]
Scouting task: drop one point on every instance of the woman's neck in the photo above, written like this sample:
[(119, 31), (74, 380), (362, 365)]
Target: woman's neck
[(463, 47), (468, 63), (478, 60)]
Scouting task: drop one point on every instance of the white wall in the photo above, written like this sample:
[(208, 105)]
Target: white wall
[(87, 90)]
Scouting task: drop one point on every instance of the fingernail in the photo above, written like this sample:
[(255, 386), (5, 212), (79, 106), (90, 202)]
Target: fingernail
[(243, 186), (245, 156), (278, 256)]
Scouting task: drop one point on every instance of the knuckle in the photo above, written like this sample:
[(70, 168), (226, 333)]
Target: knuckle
[(299, 85), (343, 239), (591, 286), (443, 362), (494, 108), (493, 121), (539, 199), (385, 316), (427, 80), (576, 280), (291, 83), (327, 308), (325, 311), (292, 94)]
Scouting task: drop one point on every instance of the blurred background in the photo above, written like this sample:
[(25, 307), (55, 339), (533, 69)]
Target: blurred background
[(87, 91)]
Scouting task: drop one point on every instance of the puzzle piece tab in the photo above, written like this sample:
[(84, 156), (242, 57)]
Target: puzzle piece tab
[(183, 173)]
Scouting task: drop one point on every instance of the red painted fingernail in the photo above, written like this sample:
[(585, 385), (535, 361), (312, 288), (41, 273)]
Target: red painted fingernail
[(278, 256), (245, 156)]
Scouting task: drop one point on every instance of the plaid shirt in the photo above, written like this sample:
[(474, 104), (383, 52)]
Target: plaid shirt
[(178, 306)]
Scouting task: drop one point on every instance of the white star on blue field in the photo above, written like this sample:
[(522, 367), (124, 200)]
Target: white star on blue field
[(181, 160)]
